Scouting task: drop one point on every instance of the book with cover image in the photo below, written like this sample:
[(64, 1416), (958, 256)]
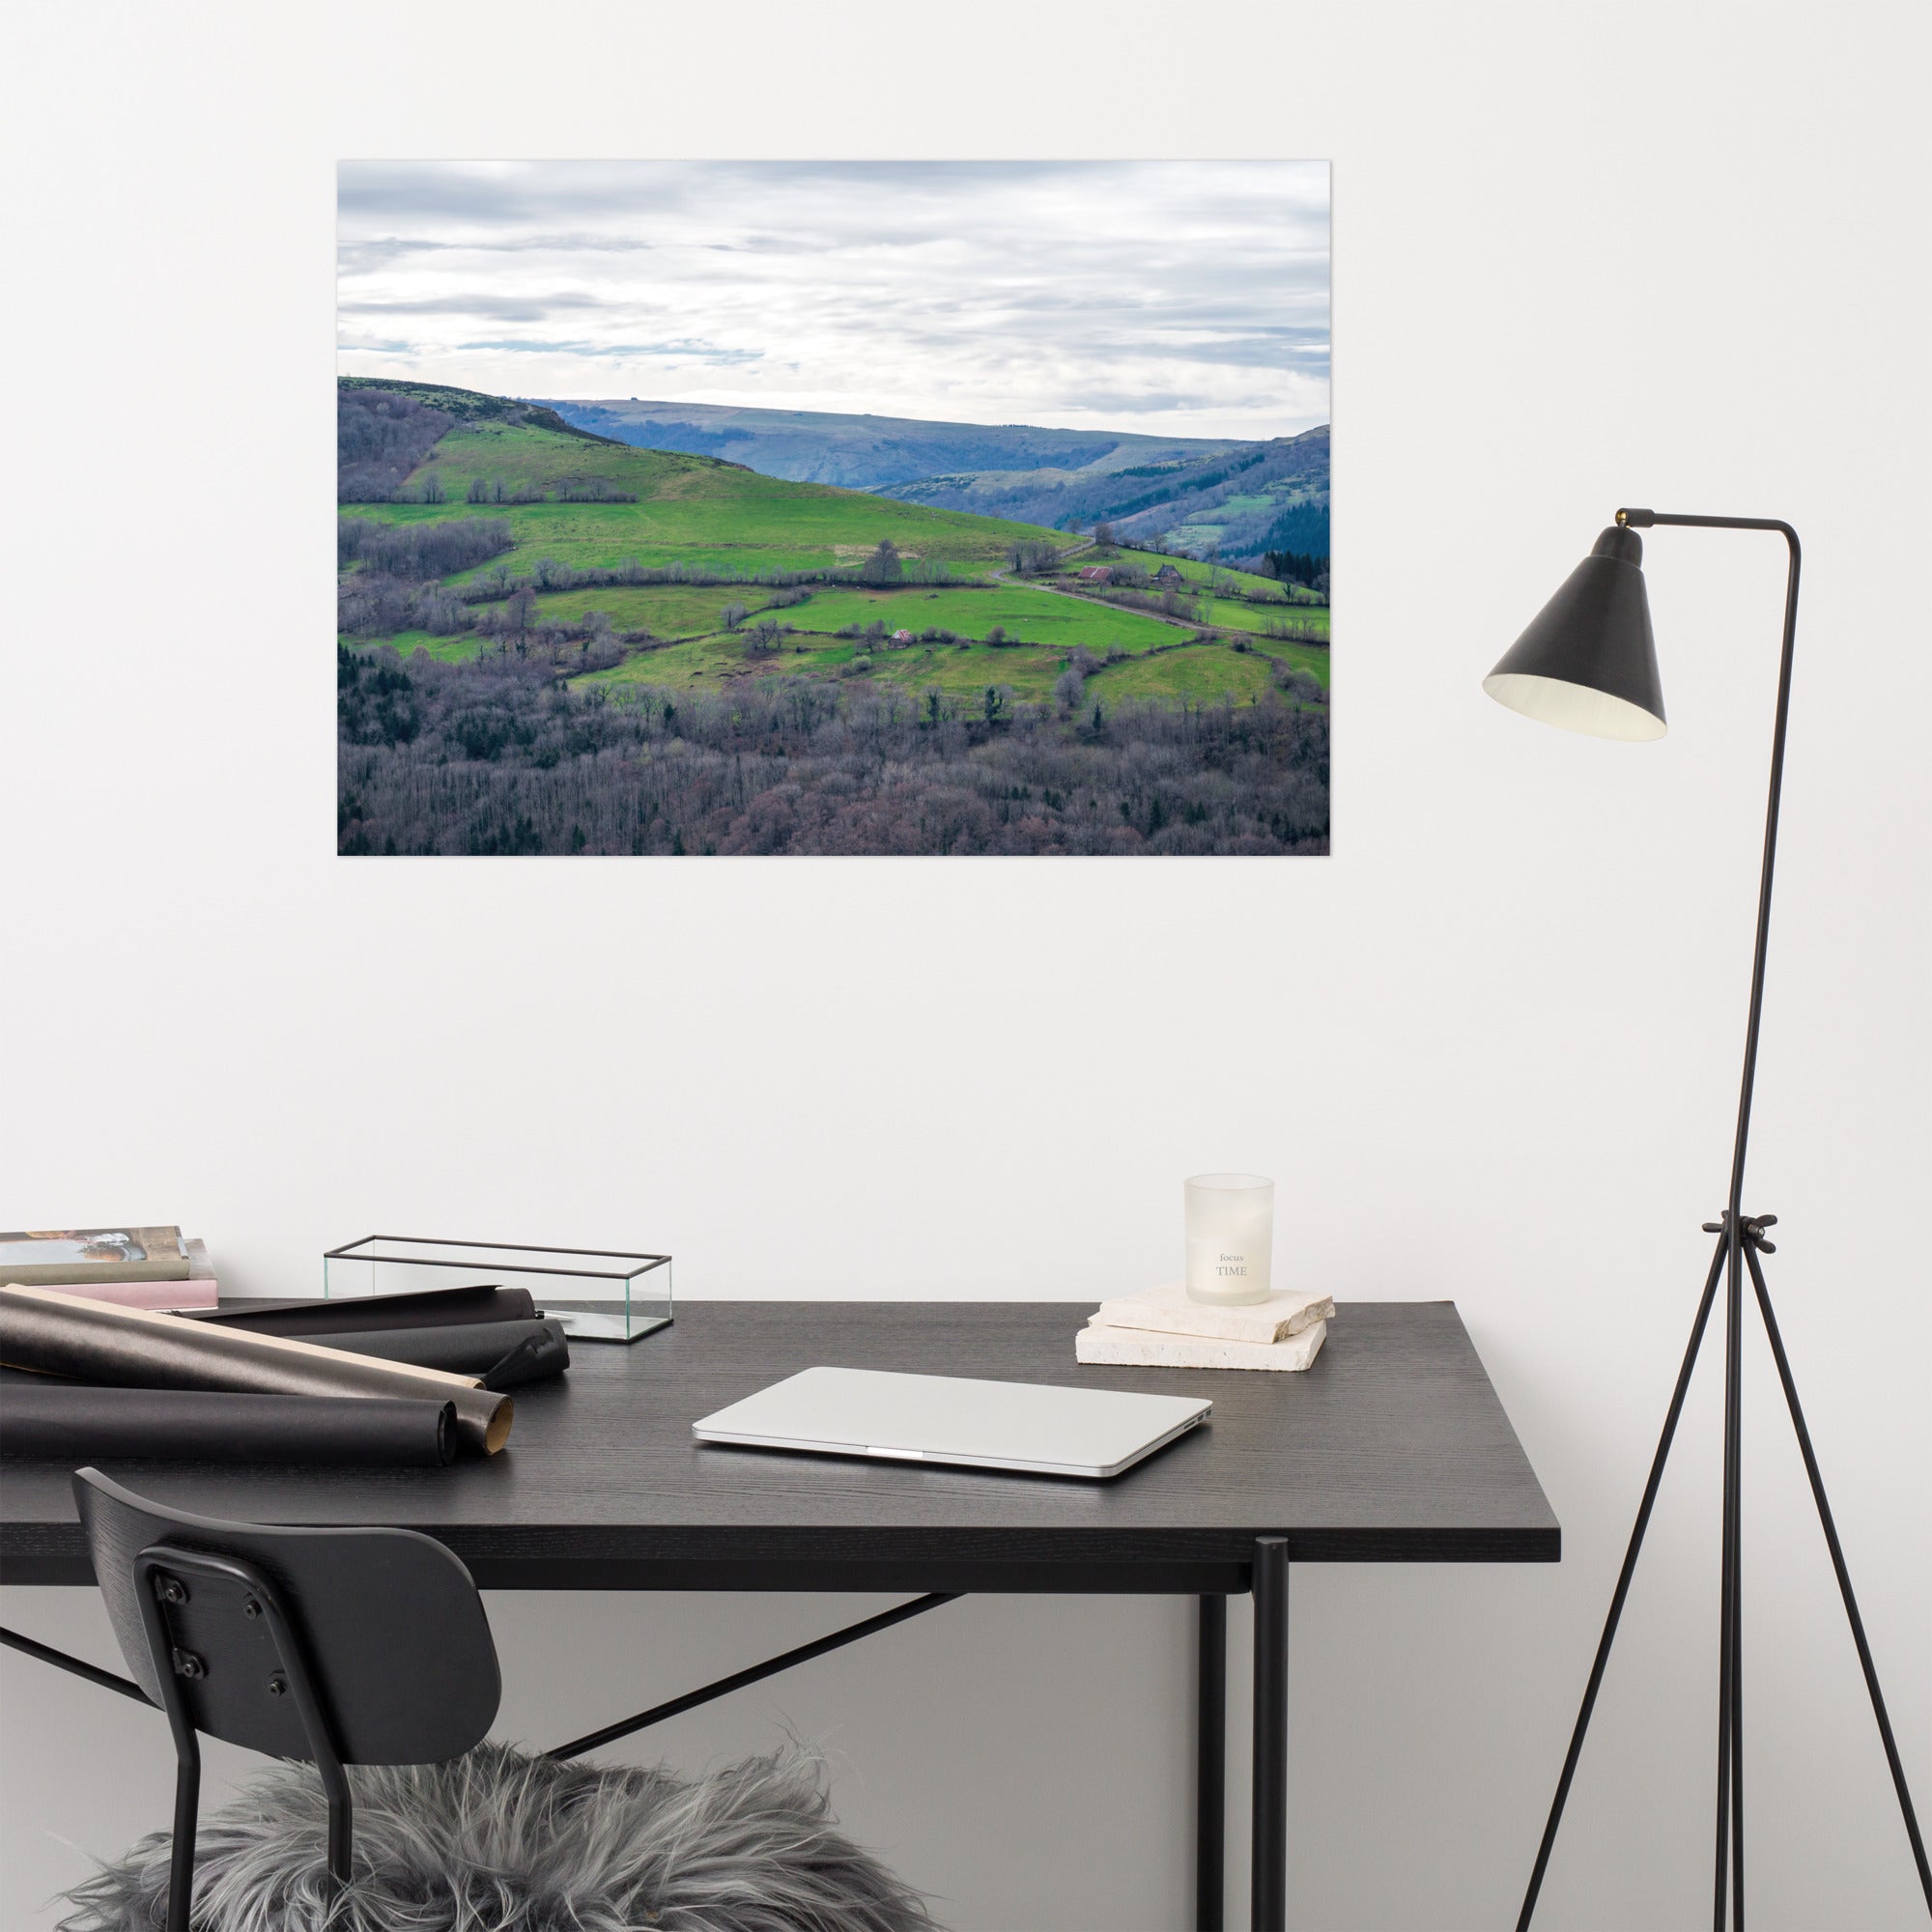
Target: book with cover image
[(53, 1256)]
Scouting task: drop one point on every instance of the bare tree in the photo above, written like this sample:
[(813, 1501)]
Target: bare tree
[(441, 614)]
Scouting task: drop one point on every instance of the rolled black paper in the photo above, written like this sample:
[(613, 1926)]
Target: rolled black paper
[(68, 1423), (364, 1314), (525, 1363), (136, 1347), (466, 1347)]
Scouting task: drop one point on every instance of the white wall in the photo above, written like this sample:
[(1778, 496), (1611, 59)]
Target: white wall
[(1584, 257)]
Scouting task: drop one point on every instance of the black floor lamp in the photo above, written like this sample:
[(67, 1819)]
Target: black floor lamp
[(1587, 662)]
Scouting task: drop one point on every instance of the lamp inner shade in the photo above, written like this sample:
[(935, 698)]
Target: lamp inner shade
[(1572, 707), (1588, 662)]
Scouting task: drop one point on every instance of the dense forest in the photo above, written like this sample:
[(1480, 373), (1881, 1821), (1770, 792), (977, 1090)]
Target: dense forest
[(500, 755)]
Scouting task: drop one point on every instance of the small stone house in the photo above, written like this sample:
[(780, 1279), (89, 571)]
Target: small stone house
[(1168, 576)]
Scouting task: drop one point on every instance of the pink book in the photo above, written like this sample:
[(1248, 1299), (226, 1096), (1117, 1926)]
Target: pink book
[(159, 1294)]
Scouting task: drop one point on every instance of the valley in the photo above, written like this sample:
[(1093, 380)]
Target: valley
[(544, 563), (1189, 496)]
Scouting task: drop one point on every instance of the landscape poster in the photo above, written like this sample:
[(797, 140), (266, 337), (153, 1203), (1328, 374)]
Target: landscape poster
[(865, 509)]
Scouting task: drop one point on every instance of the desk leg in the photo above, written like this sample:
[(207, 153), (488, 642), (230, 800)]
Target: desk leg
[(1269, 1876), (1211, 1767)]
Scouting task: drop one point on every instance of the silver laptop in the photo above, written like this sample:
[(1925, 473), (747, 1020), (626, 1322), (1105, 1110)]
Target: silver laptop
[(1045, 1432)]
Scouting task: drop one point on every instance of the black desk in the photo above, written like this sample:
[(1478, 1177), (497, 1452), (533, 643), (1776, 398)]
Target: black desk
[(1392, 1448)]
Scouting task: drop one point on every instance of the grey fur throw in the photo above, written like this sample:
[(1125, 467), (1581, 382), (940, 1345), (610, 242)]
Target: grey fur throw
[(496, 1841)]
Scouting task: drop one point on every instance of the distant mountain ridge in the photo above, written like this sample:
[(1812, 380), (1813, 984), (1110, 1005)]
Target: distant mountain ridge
[(868, 452), (1242, 500), (1186, 493)]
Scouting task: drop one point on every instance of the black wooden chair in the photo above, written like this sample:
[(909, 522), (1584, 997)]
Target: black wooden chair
[(370, 1647), (329, 1646)]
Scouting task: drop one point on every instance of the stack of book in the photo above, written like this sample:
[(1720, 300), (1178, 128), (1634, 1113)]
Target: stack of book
[(1162, 1328), (131, 1268)]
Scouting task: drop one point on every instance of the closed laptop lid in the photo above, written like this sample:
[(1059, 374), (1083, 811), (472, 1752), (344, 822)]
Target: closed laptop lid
[(954, 1419)]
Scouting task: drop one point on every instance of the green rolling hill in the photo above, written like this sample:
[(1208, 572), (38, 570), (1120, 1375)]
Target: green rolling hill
[(695, 509), (1186, 495), (634, 568)]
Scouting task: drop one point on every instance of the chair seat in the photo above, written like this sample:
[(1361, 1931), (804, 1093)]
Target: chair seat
[(498, 1841)]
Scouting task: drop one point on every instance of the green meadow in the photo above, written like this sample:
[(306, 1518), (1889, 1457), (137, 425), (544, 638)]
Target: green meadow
[(664, 610), (1037, 616), (1033, 615), (1235, 614), (962, 671), (690, 509), (716, 517), (1198, 674), (1195, 571), (1202, 673)]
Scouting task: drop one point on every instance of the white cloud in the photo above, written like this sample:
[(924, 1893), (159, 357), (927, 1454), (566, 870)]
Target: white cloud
[(1182, 298)]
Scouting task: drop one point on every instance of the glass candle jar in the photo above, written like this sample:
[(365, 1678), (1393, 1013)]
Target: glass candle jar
[(1229, 1237)]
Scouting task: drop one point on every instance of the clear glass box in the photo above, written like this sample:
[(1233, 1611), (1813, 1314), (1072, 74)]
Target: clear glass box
[(598, 1296)]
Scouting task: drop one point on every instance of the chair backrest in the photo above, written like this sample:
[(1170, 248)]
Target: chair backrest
[(391, 1630)]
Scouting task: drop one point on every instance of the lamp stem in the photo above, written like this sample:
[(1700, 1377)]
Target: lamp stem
[(1763, 938), (1642, 519)]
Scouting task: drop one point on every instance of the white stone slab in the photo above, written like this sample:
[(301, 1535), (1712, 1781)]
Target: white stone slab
[(1168, 1309), (1142, 1347)]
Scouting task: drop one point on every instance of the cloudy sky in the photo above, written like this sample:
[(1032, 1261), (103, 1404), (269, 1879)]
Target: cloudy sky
[(1174, 297)]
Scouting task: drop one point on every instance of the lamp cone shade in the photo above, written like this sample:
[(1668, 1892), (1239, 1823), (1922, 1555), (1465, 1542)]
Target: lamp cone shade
[(1588, 663)]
